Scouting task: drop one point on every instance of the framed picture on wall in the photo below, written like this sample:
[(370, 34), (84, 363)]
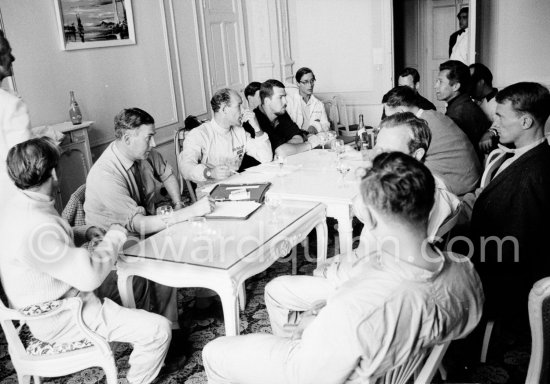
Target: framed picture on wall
[(86, 24)]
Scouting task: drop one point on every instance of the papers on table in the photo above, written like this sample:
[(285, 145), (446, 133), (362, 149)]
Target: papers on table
[(234, 210), (274, 168)]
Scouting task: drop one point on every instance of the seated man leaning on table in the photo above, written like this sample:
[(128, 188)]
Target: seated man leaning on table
[(406, 297), (40, 263), (121, 188), (216, 149), (285, 136)]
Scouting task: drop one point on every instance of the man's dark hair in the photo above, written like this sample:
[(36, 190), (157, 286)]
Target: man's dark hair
[(400, 186), (220, 98), (458, 73), (252, 88), (401, 96), (30, 163), (525, 97), (481, 72), (421, 136), (131, 119), (410, 72), (465, 10), (303, 71), (4, 44), (266, 89)]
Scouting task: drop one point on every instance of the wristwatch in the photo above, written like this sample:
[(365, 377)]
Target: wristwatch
[(207, 173)]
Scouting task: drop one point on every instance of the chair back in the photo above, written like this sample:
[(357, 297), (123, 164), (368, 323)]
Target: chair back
[(179, 137), (343, 121), (539, 318), (423, 366)]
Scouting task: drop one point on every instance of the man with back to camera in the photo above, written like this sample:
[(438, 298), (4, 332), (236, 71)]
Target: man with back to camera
[(207, 148), (453, 86), (343, 336), (285, 136), (451, 155), (411, 78), (40, 263)]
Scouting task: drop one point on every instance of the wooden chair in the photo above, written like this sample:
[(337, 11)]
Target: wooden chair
[(179, 137), (33, 358), (539, 318), (422, 366)]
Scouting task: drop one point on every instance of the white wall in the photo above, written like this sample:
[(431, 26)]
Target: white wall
[(348, 44), (162, 73)]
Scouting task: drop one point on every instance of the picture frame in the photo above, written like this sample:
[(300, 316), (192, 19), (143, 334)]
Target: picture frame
[(84, 24)]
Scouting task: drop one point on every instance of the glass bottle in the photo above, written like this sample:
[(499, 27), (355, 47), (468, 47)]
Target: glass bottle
[(74, 110), (359, 135)]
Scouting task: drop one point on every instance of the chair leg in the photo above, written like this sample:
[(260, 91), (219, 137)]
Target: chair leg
[(442, 372), (111, 375), (37, 379), (23, 379), (486, 339)]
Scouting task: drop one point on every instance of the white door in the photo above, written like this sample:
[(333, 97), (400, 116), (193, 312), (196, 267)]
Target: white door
[(441, 22), (224, 44)]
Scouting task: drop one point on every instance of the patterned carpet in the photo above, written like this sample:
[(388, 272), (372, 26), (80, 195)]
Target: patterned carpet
[(206, 325)]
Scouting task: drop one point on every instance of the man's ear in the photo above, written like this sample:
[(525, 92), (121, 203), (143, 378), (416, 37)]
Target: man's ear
[(456, 86), (419, 154), (527, 121), (417, 85), (126, 138)]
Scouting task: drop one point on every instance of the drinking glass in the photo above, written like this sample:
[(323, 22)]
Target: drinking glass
[(273, 203), (280, 159), (331, 137), (343, 168), (323, 138), (166, 214), (233, 163), (338, 147)]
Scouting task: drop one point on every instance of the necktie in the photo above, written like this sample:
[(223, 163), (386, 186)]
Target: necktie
[(139, 183)]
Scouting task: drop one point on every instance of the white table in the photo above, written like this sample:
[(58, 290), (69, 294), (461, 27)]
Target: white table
[(222, 256), (312, 176)]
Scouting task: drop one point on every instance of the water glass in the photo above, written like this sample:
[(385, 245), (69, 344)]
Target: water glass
[(331, 137), (166, 213), (273, 203), (338, 147), (280, 159), (233, 163), (343, 168)]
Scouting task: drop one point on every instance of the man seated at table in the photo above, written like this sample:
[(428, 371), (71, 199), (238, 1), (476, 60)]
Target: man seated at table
[(358, 329), (451, 154), (216, 149), (40, 263), (285, 136), (122, 188), (409, 77)]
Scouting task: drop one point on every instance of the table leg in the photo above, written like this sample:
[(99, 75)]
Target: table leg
[(322, 242), (242, 296), (230, 313), (345, 232), (126, 290)]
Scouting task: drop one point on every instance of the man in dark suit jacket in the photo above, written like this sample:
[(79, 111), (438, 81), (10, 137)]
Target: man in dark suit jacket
[(453, 85), (411, 78), (463, 25), (510, 215)]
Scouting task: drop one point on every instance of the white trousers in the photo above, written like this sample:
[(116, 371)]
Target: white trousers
[(149, 333), (262, 358)]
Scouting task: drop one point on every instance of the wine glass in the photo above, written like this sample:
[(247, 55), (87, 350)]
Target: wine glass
[(331, 135), (338, 147), (166, 214), (343, 168), (273, 203), (323, 138), (233, 163), (280, 159)]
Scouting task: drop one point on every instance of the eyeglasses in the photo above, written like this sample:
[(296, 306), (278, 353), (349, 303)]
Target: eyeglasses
[(306, 82)]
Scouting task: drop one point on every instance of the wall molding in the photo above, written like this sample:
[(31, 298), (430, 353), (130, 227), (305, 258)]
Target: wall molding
[(199, 52), (177, 55)]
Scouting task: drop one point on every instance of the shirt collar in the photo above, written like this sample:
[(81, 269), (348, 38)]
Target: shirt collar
[(219, 129), (410, 271), (517, 152), (37, 196), (419, 113), (126, 162)]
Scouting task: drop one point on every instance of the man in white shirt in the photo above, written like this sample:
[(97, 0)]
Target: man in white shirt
[(215, 150), (459, 41), (307, 111), (407, 297)]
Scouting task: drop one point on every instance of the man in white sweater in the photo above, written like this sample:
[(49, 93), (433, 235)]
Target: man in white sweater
[(40, 263), (216, 149)]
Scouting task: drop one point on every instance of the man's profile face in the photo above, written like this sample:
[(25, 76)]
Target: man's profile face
[(233, 111), (6, 60), (141, 141), (407, 81), (463, 20), (277, 102), (507, 123), (254, 101), (444, 91), (394, 139)]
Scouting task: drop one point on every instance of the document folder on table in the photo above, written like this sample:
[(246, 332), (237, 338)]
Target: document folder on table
[(231, 210), (240, 192)]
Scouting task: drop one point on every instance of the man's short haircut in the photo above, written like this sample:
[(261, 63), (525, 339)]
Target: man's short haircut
[(131, 119), (252, 88), (410, 72), (221, 97), (4, 44), (463, 10), (458, 73), (481, 72), (266, 90), (30, 163), (303, 71), (526, 97), (401, 96), (400, 186), (421, 136)]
